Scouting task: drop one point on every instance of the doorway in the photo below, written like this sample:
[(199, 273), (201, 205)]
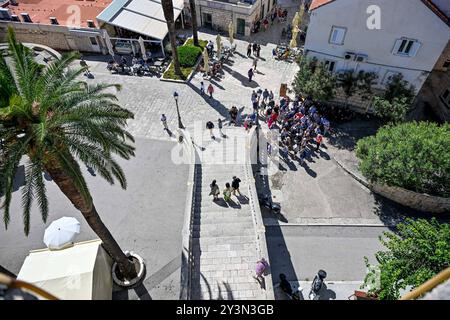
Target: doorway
[(207, 20), (240, 26)]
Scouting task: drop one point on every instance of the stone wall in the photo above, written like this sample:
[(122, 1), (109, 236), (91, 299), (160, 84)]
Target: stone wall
[(55, 37), (418, 201)]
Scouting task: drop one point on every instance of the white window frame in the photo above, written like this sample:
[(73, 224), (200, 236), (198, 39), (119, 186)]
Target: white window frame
[(400, 46), (336, 28), (446, 100)]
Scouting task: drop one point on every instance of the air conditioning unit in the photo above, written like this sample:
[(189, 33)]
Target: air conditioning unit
[(5, 14), (340, 75), (26, 17), (13, 2), (361, 58), (350, 56)]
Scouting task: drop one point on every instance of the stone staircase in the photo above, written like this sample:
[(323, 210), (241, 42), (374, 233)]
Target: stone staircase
[(224, 245)]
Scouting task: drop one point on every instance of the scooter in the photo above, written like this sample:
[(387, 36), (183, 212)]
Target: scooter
[(266, 202), (317, 285)]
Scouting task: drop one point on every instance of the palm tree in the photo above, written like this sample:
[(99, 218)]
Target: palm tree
[(167, 6), (55, 120), (194, 22)]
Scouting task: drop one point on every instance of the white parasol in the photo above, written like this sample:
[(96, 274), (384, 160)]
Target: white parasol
[(61, 233)]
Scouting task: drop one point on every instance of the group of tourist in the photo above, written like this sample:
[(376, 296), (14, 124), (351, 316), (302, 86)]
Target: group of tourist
[(277, 14), (299, 123), (227, 192)]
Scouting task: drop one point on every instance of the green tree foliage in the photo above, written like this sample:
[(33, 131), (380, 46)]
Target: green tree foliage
[(396, 101), (415, 156), (52, 120), (314, 80), (419, 250), (188, 55)]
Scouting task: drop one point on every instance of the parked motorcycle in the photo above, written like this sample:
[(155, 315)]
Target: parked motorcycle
[(317, 285), (266, 202)]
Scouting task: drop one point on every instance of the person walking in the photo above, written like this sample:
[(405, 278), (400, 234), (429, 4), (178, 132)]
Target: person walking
[(261, 266), (250, 74), (202, 88), (258, 50), (164, 122), (318, 141), (249, 50), (271, 96), (210, 90), (220, 125), (227, 192), (235, 185), (265, 95), (255, 48), (255, 63), (214, 190), (210, 127)]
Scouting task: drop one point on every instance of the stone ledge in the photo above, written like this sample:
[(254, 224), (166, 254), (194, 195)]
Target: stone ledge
[(408, 198)]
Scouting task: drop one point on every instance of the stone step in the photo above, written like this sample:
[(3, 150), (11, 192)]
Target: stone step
[(228, 239), (222, 263), (227, 247), (242, 227), (221, 220), (222, 231), (222, 213)]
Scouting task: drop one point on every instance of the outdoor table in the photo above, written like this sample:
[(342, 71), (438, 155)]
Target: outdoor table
[(158, 63)]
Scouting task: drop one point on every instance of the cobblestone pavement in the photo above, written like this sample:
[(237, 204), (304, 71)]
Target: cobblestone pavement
[(148, 97)]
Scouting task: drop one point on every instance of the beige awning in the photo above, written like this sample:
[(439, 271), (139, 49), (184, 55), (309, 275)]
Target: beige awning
[(81, 272)]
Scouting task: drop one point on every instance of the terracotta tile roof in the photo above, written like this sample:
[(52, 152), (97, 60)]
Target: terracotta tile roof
[(429, 3), (318, 3), (40, 11)]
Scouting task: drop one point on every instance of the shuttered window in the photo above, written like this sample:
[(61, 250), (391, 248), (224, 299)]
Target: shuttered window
[(406, 47)]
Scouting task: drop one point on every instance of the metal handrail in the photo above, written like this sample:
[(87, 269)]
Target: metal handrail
[(12, 283)]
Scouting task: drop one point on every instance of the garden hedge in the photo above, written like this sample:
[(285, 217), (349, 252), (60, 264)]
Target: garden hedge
[(414, 156), (188, 55)]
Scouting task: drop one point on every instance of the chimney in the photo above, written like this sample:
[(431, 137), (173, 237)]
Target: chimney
[(26, 17), (53, 20), (90, 24)]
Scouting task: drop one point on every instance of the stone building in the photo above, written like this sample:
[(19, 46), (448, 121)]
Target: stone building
[(67, 25), (433, 100), (217, 14)]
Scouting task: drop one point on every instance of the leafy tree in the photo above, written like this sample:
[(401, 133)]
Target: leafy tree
[(396, 101), (54, 120), (394, 111), (414, 156), (349, 84), (419, 250), (314, 80)]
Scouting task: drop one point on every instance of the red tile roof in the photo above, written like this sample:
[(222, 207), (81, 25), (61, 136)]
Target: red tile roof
[(40, 11), (429, 3), (318, 3)]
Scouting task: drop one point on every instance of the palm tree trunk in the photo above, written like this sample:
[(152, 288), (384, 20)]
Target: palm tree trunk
[(167, 6), (194, 22), (87, 208)]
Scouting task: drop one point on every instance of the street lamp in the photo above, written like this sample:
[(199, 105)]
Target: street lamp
[(175, 96)]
